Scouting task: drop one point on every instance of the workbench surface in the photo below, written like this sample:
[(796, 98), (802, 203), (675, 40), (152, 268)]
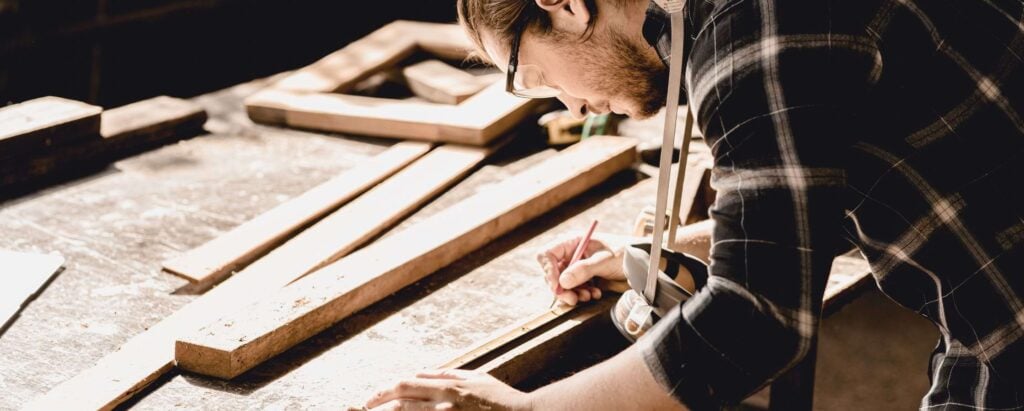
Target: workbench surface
[(116, 228)]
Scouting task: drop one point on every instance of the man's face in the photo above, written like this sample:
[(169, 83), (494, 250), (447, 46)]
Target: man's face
[(609, 71)]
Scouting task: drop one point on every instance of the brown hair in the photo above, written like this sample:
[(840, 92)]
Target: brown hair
[(502, 17)]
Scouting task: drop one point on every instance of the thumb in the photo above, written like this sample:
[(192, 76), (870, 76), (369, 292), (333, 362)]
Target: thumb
[(586, 269)]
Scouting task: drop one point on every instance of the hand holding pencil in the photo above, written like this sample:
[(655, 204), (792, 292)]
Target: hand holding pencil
[(570, 265)]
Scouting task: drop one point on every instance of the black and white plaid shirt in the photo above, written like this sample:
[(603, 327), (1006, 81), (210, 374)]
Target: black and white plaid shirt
[(897, 125)]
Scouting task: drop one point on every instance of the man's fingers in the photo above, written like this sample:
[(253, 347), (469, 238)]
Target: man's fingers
[(413, 405), (568, 297), (415, 389), (586, 269), (448, 374)]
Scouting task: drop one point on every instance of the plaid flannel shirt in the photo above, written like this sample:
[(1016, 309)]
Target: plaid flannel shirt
[(895, 125)]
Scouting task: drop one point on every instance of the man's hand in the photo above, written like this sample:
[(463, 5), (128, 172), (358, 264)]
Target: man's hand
[(571, 284), (451, 390)]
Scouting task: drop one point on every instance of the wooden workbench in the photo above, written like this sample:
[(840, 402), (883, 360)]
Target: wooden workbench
[(116, 227)]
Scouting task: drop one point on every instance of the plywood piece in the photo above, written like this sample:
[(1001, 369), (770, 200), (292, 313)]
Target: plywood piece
[(23, 274), (123, 131), (477, 121), (241, 340), (31, 127), (441, 83), (147, 356), (384, 48), (213, 261)]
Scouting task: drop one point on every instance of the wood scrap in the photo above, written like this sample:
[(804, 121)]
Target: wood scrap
[(147, 356), (384, 48), (123, 131), (34, 126), (24, 274), (438, 82), (477, 121), (211, 262), (239, 341)]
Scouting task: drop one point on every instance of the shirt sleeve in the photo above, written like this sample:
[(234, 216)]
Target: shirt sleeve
[(778, 110)]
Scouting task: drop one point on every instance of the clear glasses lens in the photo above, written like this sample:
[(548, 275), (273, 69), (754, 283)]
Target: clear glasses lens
[(529, 83)]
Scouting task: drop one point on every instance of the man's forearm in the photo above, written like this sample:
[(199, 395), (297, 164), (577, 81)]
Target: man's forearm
[(621, 383)]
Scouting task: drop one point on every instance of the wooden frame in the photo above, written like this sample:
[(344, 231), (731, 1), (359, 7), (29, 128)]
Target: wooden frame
[(309, 98)]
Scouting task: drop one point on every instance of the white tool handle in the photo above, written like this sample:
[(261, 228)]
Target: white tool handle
[(675, 9)]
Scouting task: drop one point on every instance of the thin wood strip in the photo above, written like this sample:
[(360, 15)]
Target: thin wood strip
[(23, 275), (506, 335), (239, 341), (213, 261), (517, 363), (123, 373)]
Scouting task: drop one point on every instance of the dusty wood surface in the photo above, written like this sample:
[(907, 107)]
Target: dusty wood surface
[(23, 274), (117, 226)]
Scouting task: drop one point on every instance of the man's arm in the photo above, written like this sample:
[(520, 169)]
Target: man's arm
[(620, 383)]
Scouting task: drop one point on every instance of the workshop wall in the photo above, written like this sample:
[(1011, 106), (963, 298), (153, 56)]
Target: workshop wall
[(112, 52)]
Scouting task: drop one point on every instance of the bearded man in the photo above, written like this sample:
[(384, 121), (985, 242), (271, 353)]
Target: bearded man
[(892, 125)]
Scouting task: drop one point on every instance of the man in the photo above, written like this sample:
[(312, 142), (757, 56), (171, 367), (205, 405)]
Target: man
[(894, 125)]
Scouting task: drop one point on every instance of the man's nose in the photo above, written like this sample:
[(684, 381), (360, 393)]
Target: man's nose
[(577, 107)]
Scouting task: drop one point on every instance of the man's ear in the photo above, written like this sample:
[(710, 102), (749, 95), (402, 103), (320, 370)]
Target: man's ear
[(567, 15)]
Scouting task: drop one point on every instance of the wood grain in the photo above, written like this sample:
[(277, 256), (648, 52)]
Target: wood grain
[(239, 341), (211, 262), (33, 127), (123, 373)]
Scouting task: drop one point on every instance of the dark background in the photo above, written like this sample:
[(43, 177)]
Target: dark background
[(114, 52)]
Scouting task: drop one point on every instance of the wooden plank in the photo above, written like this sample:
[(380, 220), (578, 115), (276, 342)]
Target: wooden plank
[(124, 131), (147, 356), (521, 350), (239, 341), (440, 83), (477, 121), (36, 125), (211, 262), (23, 276), (382, 49)]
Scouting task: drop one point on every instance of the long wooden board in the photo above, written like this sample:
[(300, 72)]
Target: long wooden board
[(123, 131), (211, 262), (477, 121), (23, 274), (33, 126), (147, 356), (239, 341)]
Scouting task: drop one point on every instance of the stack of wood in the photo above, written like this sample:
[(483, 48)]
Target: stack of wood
[(52, 137)]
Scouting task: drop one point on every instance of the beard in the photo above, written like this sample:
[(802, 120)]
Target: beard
[(624, 71)]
